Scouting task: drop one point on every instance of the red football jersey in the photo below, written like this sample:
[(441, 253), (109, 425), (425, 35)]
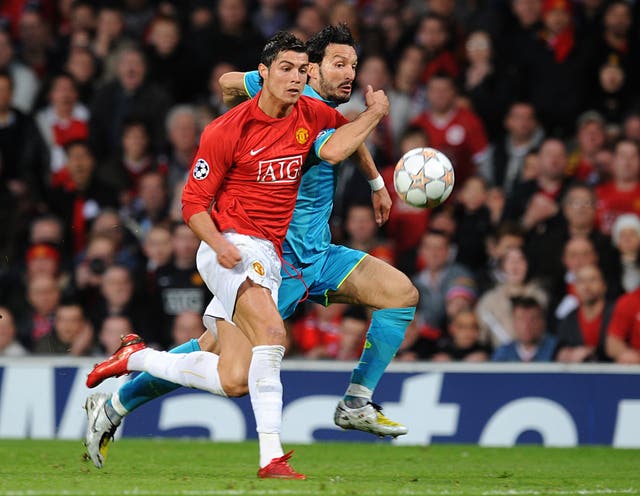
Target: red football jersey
[(612, 203), (251, 165), (461, 137), (625, 319)]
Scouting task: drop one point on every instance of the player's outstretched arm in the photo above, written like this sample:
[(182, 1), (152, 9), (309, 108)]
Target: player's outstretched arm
[(233, 90), (379, 194), (346, 140)]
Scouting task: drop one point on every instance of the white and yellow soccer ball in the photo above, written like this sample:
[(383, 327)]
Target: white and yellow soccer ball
[(424, 177)]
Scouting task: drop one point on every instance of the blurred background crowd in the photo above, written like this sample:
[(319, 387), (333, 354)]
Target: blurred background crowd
[(536, 102)]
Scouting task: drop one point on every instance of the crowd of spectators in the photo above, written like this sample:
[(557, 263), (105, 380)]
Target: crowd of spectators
[(536, 102)]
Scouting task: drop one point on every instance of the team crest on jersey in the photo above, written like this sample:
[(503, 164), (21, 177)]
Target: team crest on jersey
[(201, 169), (302, 135), (258, 268)]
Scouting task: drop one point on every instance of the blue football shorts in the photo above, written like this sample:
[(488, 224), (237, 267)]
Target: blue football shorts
[(326, 274)]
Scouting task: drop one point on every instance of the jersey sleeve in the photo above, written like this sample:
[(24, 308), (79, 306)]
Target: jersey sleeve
[(209, 168), (622, 319), (325, 116), (252, 83), (320, 140)]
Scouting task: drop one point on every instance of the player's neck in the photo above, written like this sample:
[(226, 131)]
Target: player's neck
[(274, 107)]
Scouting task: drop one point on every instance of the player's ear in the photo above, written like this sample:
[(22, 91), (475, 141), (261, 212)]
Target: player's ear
[(263, 70), (313, 70)]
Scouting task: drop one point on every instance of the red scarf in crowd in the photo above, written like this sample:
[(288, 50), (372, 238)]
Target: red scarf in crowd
[(562, 44)]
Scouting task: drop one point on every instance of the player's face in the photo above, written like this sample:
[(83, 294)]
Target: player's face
[(284, 80), (336, 73)]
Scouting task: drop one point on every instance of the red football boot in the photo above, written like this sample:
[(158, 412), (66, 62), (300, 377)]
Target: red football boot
[(279, 468), (116, 364)]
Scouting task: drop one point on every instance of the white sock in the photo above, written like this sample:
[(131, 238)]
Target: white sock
[(117, 405), (359, 391), (198, 369), (265, 389)]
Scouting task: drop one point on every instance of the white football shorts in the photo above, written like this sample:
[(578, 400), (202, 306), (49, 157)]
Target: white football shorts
[(260, 263)]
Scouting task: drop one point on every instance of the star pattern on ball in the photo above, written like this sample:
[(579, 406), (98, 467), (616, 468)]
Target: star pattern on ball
[(448, 178)]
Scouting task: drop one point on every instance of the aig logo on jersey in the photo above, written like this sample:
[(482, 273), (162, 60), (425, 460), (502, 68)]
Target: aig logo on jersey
[(279, 170), (201, 169)]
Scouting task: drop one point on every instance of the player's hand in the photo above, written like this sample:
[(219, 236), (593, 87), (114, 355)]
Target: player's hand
[(228, 253), (381, 205), (376, 100)]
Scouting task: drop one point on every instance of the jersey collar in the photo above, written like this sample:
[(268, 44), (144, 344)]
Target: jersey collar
[(309, 91)]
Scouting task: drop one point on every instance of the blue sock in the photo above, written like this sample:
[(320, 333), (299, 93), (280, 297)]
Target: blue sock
[(145, 387), (384, 337)]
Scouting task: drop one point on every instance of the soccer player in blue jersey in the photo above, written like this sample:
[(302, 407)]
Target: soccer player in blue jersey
[(331, 274)]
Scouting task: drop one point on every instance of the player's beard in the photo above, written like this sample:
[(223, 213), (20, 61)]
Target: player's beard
[(330, 92)]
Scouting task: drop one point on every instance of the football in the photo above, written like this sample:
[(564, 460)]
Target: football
[(424, 177)]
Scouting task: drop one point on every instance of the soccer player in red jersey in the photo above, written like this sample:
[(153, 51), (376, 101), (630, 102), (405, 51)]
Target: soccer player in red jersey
[(247, 172)]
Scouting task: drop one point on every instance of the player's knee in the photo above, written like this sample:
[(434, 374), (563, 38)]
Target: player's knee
[(412, 295), (273, 335), (235, 385), (401, 292), (236, 390)]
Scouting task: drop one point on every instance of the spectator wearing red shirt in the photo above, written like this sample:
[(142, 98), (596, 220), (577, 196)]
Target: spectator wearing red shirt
[(64, 120), (434, 38), (621, 194), (457, 132), (79, 196), (582, 333), (623, 333)]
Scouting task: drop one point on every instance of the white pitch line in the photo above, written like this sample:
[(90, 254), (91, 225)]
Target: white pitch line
[(326, 491)]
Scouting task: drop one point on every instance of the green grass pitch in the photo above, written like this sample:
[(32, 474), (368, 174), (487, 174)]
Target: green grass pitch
[(172, 467)]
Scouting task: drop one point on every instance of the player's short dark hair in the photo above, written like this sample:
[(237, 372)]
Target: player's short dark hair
[(282, 41), (317, 44)]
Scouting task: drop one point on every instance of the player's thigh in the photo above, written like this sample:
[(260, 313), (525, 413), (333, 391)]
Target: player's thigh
[(256, 314), (235, 359), (376, 284)]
